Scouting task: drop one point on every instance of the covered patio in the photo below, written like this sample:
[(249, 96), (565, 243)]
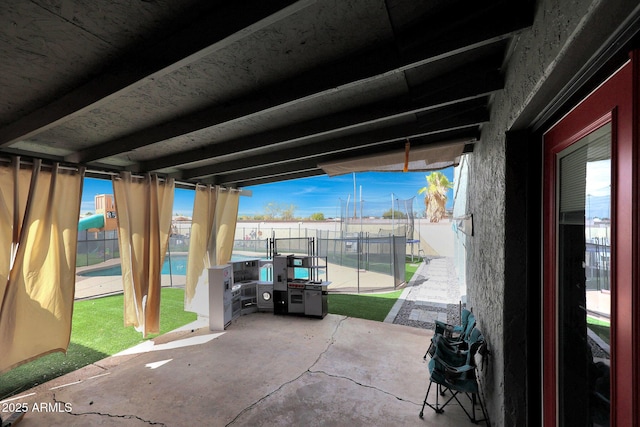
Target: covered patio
[(210, 94), (264, 370)]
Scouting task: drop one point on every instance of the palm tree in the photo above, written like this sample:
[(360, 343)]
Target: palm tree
[(435, 198)]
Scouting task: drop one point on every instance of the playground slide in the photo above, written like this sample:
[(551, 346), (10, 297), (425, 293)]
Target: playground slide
[(93, 221)]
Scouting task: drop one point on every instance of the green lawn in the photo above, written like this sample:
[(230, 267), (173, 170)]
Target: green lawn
[(600, 327), (97, 332), (369, 306), (410, 269), (363, 306)]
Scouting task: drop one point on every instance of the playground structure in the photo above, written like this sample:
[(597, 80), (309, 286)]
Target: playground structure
[(104, 218)]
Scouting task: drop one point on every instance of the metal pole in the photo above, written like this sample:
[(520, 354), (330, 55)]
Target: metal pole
[(346, 212), (393, 264), (361, 209), (170, 273), (354, 196), (392, 216), (359, 246), (368, 249)]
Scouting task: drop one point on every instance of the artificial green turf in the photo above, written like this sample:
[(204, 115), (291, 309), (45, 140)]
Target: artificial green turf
[(97, 332), (363, 306), (410, 269), (602, 328), (369, 306)]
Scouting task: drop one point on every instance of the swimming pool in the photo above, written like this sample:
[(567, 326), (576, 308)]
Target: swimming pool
[(177, 265)]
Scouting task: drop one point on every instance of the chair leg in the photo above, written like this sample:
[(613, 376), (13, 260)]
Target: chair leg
[(437, 408), (441, 389), (484, 412), (424, 403), (472, 414)]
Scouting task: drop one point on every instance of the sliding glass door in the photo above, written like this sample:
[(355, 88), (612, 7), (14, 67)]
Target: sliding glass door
[(591, 275)]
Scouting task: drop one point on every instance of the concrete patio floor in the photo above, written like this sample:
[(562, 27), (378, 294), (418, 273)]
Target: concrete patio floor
[(264, 370)]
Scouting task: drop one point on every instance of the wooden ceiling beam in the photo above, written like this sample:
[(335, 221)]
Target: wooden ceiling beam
[(311, 164), (270, 171), (354, 70), (435, 124), (270, 179), (472, 81), (228, 23)]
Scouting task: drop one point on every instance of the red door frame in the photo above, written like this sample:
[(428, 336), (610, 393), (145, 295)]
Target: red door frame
[(612, 102)]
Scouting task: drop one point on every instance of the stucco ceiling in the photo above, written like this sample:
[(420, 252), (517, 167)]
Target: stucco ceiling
[(242, 93)]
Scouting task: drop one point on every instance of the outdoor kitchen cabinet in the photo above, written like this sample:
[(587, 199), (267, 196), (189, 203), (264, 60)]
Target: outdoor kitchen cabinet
[(316, 301), (297, 285)]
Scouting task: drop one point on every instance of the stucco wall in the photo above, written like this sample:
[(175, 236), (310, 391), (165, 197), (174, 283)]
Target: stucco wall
[(565, 34), (485, 258)]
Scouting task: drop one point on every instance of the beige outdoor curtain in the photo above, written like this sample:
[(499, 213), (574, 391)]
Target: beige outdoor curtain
[(202, 249), (39, 211), (226, 218), (143, 207), (213, 226)]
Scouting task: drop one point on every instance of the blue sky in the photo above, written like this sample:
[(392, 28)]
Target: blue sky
[(309, 195)]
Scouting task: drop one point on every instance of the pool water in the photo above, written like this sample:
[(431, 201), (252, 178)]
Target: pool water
[(177, 266)]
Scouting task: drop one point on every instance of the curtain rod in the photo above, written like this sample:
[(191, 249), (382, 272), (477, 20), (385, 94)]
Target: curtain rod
[(100, 172)]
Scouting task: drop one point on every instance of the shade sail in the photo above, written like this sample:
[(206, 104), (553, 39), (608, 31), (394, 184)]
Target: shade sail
[(415, 159)]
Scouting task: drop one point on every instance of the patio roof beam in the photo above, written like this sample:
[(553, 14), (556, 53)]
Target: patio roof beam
[(356, 69), (311, 164), (227, 23), (466, 119), (275, 178), (469, 82)]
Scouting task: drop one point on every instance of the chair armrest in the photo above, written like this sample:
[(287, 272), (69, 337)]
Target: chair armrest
[(460, 369)]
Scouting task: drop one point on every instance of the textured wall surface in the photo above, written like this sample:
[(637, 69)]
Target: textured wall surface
[(565, 34)]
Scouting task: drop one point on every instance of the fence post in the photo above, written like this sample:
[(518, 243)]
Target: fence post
[(359, 249), (393, 255)]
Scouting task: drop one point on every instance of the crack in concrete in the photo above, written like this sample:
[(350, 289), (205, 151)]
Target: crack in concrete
[(347, 378), (365, 386), (102, 414), (104, 368), (331, 341)]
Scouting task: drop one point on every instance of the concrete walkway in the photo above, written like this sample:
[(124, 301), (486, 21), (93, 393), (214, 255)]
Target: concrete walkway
[(432, 294)]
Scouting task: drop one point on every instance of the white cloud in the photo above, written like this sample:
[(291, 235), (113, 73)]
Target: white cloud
[(599, 178)]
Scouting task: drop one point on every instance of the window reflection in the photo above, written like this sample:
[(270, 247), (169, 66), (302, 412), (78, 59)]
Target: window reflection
[(584, 286)]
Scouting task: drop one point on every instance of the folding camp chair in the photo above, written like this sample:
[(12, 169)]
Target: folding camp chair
[(460, 341), (453, 331), (455, 370)]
